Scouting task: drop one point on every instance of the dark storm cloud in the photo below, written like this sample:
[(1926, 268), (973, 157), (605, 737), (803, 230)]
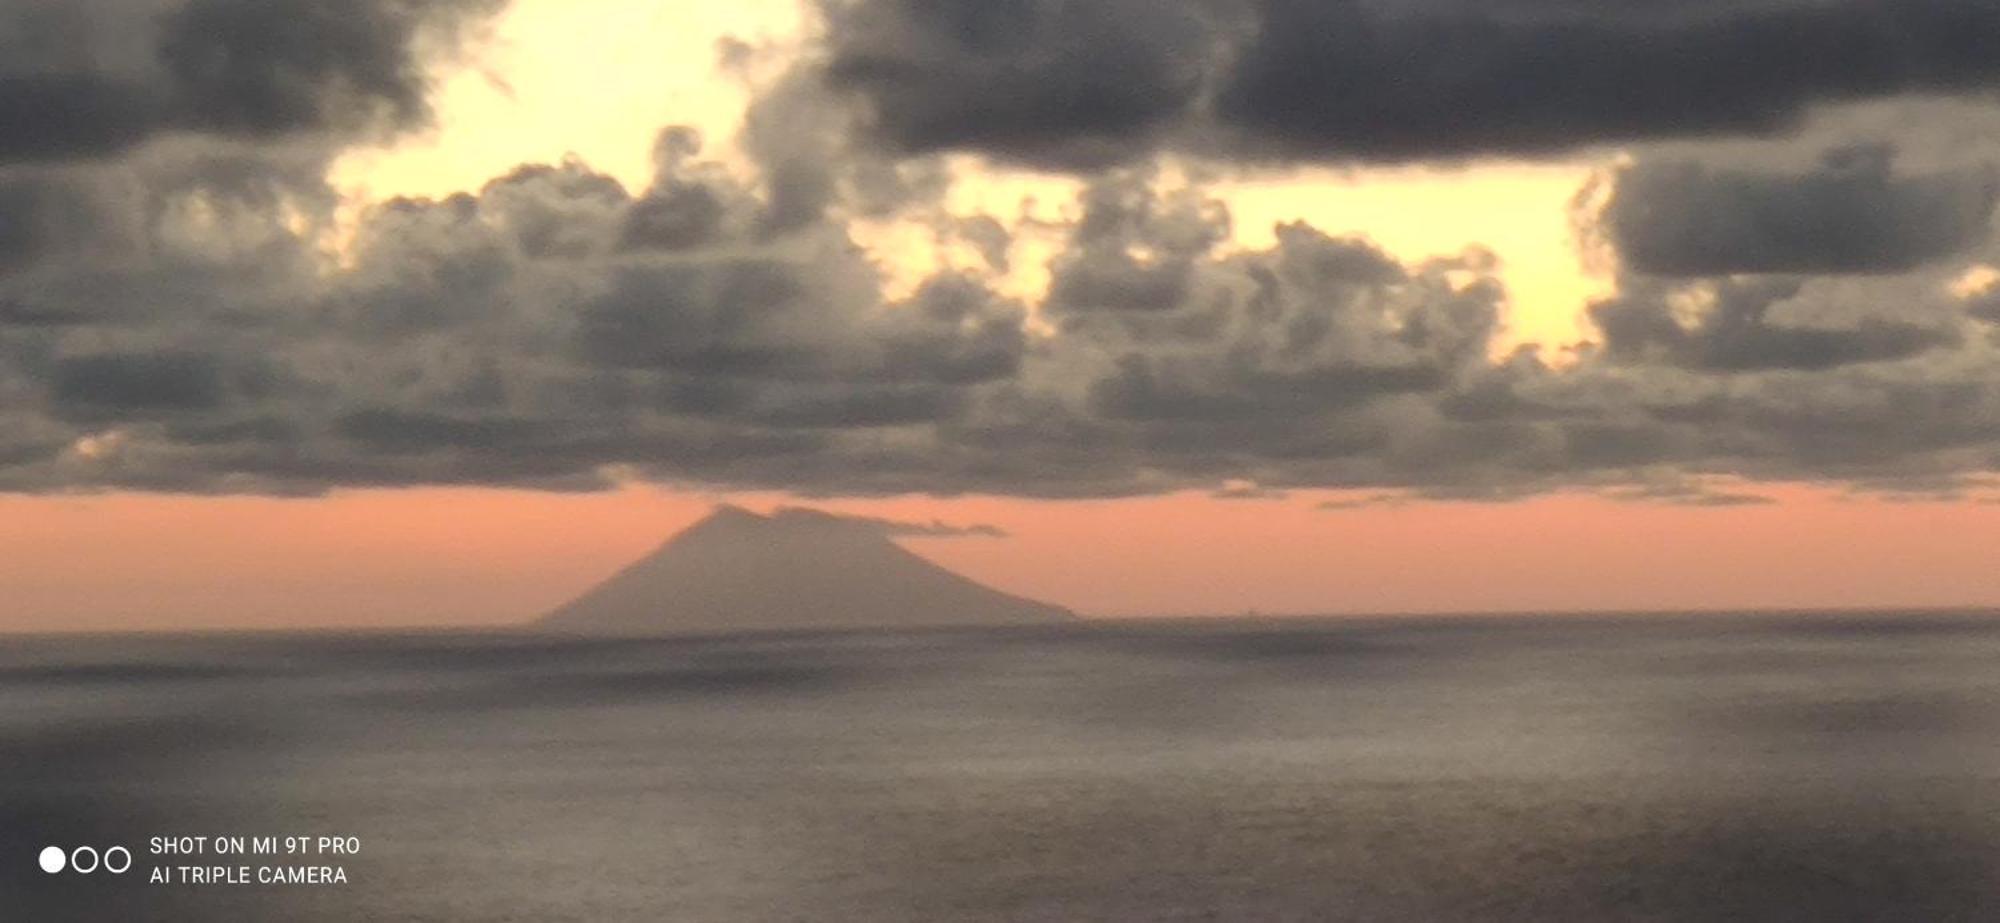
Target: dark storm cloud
[(89, 79), (273, 66), (1072, 84), (61, 116), (24, 213), (396, 432), (46, 214), (1737, 333), (121, 384), (731, 318), (1041, 80), (749, 320), (1851, 215), (1425, 78)]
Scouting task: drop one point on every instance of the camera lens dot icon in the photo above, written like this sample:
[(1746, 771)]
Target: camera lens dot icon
[(53, 859)]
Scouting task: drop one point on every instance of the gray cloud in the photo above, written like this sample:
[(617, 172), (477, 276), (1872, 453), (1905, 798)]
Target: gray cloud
[(275, 66), (1024, 79), (53, 117), (1986, 306), (1428, 78), (136, 383), (1851, 215), (94, 78), (1378, 80), (1737, 331), (27, 211), (896, 528), (1133, 251), (515, 337)]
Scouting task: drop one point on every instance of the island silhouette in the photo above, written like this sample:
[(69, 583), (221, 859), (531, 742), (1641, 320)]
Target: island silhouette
[(795, 569)]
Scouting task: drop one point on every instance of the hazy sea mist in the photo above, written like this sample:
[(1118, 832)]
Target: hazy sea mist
[(1746, 767)]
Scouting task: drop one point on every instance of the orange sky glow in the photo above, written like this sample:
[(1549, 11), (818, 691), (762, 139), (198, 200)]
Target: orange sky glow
[(482, 557)]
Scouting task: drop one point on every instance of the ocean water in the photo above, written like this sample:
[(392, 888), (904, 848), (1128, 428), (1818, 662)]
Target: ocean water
[(1716, 768)]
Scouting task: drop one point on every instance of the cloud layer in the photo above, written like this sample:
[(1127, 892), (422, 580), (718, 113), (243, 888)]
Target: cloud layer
[(172, 316), (1392, 80)]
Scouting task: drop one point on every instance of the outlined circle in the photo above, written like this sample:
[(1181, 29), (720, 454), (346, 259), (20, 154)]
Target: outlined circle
[(53, 859), (128, 860), (77, 863)]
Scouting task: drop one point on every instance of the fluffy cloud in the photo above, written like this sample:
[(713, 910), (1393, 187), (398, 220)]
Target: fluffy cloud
[(1729, 326), (518, 337)]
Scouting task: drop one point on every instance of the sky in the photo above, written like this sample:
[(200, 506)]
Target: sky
[(390, 312)]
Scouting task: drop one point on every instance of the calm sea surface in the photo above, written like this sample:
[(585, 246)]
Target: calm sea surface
[(1720, 768)]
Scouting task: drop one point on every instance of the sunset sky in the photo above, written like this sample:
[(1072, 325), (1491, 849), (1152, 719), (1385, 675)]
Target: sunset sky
[(378, 312)]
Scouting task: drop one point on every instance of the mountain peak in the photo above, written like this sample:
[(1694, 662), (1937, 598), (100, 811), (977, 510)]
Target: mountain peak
[(731, 514), (797, 568)]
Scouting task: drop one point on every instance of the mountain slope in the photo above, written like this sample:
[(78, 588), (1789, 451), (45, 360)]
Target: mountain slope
[(797, 569)]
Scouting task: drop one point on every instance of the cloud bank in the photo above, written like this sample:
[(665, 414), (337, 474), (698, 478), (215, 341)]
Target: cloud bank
[(171, 318), (1392, 80)]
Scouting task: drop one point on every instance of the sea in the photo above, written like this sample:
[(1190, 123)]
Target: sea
[(1756, 767)]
